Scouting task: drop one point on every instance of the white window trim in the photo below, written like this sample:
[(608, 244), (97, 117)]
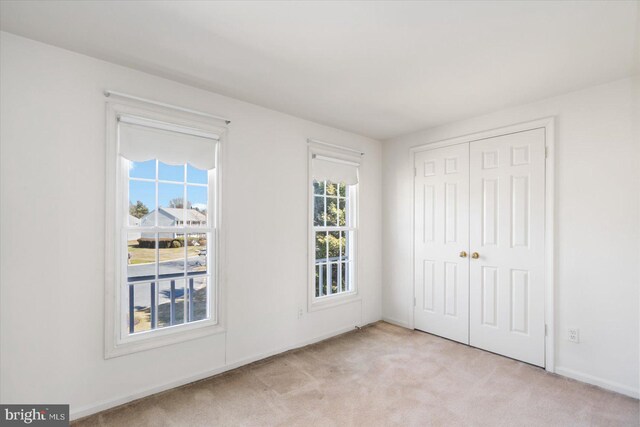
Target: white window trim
[(320, 303), (117, 343)]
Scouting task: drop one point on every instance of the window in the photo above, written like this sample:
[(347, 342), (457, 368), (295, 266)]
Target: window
[(168, 279), (334, 236), (164, 227), (334, 189)]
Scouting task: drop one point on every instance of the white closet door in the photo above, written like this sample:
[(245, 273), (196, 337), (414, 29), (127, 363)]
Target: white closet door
[(507, 186), (441, 234)]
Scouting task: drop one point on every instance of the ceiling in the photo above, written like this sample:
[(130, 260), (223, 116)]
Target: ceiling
[(379, 69)]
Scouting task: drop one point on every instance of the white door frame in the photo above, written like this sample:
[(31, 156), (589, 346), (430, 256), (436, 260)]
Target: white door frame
[(548, 124)]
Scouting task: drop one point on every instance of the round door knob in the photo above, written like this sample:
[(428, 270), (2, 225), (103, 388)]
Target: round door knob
[(475, 255), (463, 254)]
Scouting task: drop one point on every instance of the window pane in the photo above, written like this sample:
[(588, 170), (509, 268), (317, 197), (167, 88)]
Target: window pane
[(145, 170), (171, 303), (334, 277), (318, 187), (342, 212), (342, 190), (332, 211), (197, 253), (141, 256), (140, 305), (317, 280), (345, 281), (142, 202), (343, 244), (321, 281), (171, 255), (197, 176), (332, 189), (199, 288), (321, 245), (170, 202), (170, 173), (197, 202), (334, 245), (318, 211)]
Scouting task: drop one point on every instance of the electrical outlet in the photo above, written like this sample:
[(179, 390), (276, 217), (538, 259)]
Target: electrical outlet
[(300, 313), (574, 335)]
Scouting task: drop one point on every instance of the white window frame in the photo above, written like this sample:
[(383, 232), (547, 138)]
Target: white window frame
[(118, 341), (326, 301)]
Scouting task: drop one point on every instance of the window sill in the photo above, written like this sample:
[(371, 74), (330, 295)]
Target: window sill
[(161, 338), (317, 304)]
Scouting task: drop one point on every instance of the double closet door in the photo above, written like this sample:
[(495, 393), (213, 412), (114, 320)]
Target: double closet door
[(479, 244)]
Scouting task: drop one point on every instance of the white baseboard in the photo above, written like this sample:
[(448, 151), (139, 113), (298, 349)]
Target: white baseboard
[(85, 411), (600, 382), (396, 322)]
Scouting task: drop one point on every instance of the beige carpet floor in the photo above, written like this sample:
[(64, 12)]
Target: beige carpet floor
[(382, 375)]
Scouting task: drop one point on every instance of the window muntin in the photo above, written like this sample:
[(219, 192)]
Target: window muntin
[(168, 246), (334, 238)]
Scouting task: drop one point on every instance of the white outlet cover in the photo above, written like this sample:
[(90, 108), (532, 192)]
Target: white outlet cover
[(574, 335)]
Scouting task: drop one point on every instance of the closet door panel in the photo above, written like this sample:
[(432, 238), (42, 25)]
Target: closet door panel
[(506, 288), (441, 203)]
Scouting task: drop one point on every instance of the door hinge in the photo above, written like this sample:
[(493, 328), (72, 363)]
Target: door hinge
[(546, 333), (546, 152), (415, 172), (414, 302)]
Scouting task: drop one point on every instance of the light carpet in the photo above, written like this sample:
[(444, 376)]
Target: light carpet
[(382, 375)]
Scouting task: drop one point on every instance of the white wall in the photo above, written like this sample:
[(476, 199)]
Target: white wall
[(597, 234), (53, 209)]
